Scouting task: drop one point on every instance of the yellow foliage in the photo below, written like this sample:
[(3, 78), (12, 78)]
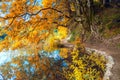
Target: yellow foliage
[(4, 7), (18, 74), (82, 66), (64, 52), (30, 59), (1, 47), (47, 3), (38, 29), (17, 62), (72, 7), (33, 34), (50, 44), (16, 44), (3, 44), (62, 32)]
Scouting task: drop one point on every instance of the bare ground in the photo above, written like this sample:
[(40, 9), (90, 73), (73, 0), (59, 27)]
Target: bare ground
[(114, 52)]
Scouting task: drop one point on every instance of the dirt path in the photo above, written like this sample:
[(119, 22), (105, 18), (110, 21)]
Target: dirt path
[(114, 52)]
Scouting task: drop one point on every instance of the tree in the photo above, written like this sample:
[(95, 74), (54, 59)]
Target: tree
[(31, 22), (32, 68), (37, 26)]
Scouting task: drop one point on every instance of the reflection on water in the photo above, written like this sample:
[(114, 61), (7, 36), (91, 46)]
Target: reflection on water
[(7, 56)]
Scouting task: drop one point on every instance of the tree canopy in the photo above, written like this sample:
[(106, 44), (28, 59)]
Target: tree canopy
[(29, 22), (45, 25)]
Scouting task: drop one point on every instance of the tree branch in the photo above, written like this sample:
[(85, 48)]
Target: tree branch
[(32, 14), (49, 8)]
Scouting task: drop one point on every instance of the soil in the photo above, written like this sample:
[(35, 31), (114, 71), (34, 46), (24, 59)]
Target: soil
[(110, 50)]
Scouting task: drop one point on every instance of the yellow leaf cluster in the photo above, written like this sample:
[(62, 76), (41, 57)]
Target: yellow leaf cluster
[(72, 7), (62, 31), (53, 40), (64, 52), (38, 28), (50, 44), (47, 3), (16, 45), (82, 66), (4, 44), (33, 34), (4, 7)]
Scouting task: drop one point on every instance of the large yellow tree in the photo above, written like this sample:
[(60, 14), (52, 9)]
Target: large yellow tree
[(36, 25), (29, 23)]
